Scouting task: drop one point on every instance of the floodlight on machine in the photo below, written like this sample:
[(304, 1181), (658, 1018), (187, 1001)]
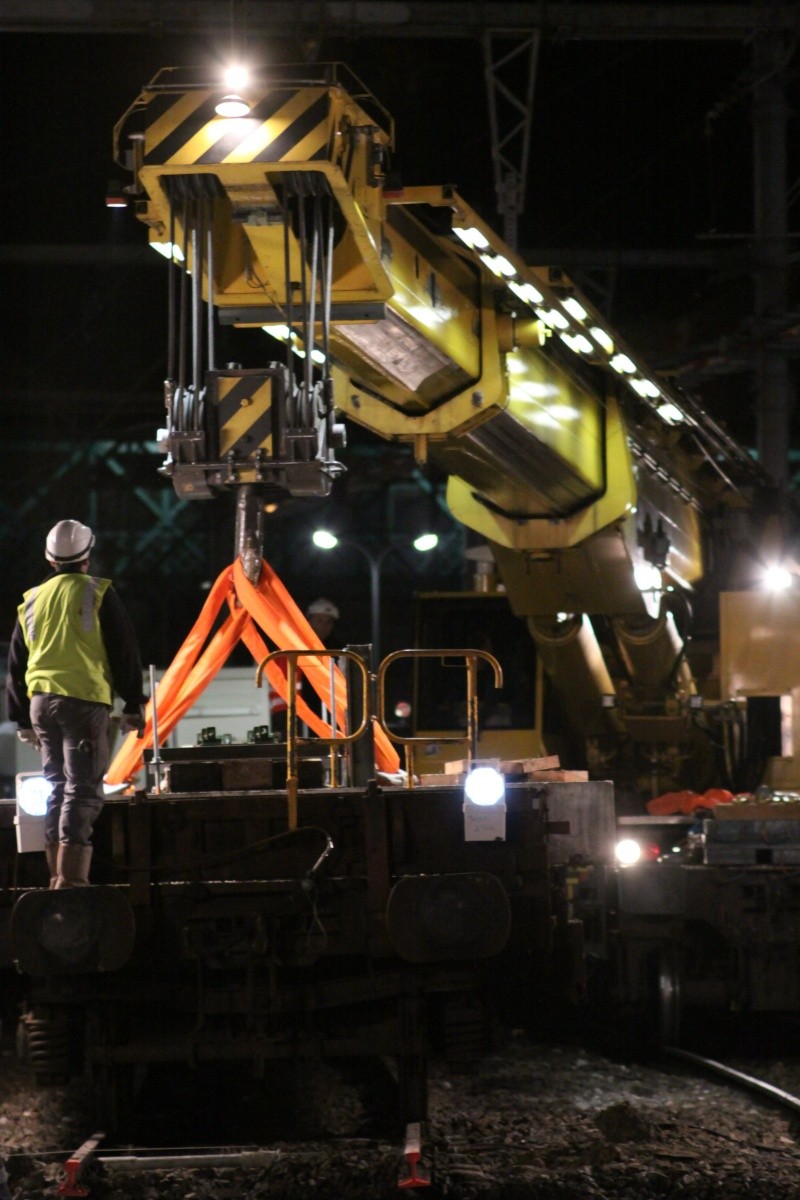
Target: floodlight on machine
[(777, 578), (232, 105), (484, 805), (32, 792)]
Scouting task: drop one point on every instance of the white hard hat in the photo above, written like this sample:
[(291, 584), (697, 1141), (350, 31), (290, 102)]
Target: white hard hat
[(324, 608), (68, 542)]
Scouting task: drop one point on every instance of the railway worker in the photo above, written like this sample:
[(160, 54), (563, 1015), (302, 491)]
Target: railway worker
[(72, 648), (322, 616)]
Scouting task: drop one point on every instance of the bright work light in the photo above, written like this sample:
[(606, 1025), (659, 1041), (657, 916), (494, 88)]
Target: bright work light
[(236, 77), (777, 578), (647, 577), (628, 852), (324, 539), (484, 805), (232, 106), (485, 786), (32, 791), (32, 794)]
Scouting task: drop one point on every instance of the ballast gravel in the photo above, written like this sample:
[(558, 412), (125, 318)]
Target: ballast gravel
[(531, 1122)]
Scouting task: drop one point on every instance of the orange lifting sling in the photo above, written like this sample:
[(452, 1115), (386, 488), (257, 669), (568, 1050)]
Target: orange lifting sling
[(252, 610)]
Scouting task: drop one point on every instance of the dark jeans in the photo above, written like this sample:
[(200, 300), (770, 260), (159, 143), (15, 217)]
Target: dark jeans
[(73, 736)]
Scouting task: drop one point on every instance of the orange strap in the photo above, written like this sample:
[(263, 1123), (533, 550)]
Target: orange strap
[(270, 607)]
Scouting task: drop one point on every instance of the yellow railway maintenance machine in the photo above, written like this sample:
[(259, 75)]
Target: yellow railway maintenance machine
[(381, 917), (593, 484)]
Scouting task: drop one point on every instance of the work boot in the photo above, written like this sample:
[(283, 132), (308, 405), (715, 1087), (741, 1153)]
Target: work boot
[(73, 865), (51, 854)]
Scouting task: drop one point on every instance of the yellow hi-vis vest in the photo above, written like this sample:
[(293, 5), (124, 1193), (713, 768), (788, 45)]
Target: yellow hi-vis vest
[(61, 627)]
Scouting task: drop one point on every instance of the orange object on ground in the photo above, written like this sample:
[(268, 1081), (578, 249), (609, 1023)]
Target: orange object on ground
[(686, 802), (716, 796), (671, 803), (254, 611)]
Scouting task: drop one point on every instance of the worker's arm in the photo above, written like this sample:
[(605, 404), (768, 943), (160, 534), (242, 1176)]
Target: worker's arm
[(19, 708), (122, 648)]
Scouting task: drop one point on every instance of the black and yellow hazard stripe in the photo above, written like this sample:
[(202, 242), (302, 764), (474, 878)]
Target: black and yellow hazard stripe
[(184, 130), (244, 415)]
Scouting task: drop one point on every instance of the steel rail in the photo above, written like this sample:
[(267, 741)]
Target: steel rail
[(739, 1077)]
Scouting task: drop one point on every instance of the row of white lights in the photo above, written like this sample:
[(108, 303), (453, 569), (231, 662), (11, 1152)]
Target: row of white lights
[(233, 105), (576, 339), (484, 786)]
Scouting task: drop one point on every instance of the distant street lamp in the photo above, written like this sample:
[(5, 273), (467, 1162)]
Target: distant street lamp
[(423, 543)]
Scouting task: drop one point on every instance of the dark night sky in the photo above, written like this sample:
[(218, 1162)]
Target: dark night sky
[(622, 156)]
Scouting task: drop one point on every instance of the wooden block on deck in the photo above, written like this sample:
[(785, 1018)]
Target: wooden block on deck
[(523, 766), (441, 780), (557, 776), (459, 766)]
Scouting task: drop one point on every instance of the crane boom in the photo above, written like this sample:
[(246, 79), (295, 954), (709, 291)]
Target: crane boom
[(402, 310)]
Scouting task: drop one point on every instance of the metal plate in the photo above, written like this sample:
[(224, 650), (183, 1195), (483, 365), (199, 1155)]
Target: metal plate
[(72, 931), (435, 918)]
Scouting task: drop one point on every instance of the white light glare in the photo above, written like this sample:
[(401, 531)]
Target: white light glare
[(670, 413), (426, 542), (526, 292), (552, 318), (602, 338), (644, 387), (622, 364), (169, 250), (426, 316), (777, 578), (577, 342), (32, 795), (564, 412), (283, 333), (324, 539), (485, 787), (647, 577), (236, 77), (628, 852), (574, 308), (471, 237), (498, 265)]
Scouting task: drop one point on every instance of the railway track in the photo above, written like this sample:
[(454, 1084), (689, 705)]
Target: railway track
[(542, 1121), (767, 1091)]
